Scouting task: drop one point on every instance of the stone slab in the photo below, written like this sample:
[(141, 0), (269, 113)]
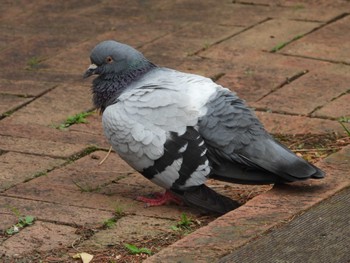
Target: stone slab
[(86, 184), (56, 106), (306, 94), (326, 43), (40, 147), (24, 88), (9, 103), (17, 168), (290, 124), (320, 235), (59, 213), (41, 236), (340, 107), (89, 134), (266, 35), (128, 229)]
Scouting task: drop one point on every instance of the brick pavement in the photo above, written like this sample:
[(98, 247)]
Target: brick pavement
[(288, 60)]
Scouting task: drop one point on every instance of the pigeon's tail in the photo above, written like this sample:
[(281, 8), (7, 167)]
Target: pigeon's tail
[(277, 165), (207, 199)]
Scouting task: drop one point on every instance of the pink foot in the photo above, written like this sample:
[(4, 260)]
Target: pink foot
[(160, 199)]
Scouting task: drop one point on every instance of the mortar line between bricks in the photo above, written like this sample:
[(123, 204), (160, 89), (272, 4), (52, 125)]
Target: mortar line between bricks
[(28, 153), (334, 98), (284, 83), (258, 109), (248, 3), (230, 36), (50, 202), (10, 112), (312, 58), (79, 206), (311, 31)]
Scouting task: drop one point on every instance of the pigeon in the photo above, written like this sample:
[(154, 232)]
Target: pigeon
[(179, 130)]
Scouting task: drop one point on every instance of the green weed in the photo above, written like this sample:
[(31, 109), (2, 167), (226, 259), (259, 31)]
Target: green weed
[(343, 120), (23, 221), (75, 119), (184, 223), (282, 45), (33, 63), (135, 250)]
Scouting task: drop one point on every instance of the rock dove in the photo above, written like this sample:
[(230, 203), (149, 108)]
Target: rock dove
[(179, 129)]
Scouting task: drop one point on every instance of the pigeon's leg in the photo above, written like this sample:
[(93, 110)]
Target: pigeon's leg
[(160, 199)]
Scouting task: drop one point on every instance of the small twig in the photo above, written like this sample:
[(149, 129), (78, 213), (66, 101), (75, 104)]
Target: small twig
[(105, 158)]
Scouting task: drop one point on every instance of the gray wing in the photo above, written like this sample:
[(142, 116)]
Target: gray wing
[(242, 151)]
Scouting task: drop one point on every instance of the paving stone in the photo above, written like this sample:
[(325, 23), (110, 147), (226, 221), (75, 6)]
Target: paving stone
[(337, 108), (54, 107), (86, 184), (267, 35), (41, 236), (24, 88), (18, 167), (186, 41), (129, 229), (88, 134), (305, 94), (300, 10), (258, 215), (7, 220), (251, 83), (41, 147), (289, 124), (326, 43), (10, 102), (323, 226), (46, 211)]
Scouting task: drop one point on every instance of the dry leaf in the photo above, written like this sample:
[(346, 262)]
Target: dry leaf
[(85, 257)]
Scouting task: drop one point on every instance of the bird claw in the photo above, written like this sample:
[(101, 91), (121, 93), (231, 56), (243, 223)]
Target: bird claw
[(160, 199)]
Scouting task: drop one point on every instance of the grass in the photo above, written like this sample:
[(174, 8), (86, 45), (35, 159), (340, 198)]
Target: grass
[(282, 45), (135, 250), (118, 213), (86, 188), (33, 63), (75, 119), (22, 222), (185, 223), (343, 120)]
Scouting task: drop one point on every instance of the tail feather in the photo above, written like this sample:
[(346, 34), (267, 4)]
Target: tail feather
[(207, 199), (264, 162)]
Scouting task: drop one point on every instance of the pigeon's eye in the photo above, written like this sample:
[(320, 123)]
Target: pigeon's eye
[(109, 59)]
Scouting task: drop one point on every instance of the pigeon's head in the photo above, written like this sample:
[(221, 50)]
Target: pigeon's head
[(111, 57)]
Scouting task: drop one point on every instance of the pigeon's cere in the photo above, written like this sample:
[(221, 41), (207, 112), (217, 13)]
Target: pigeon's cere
[(180, 129)]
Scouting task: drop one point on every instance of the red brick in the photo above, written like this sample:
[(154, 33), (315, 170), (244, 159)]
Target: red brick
[(36, 146), (9, 102), (41, 236), (306, 94), (337, 108), (290, 124), (18, 167), (128, 229), (266, 35), (55, 106), (60, 213), (326, 43), (24, 87)]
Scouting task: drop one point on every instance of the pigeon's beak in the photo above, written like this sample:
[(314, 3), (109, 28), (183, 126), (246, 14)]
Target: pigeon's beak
[(90, 71)]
